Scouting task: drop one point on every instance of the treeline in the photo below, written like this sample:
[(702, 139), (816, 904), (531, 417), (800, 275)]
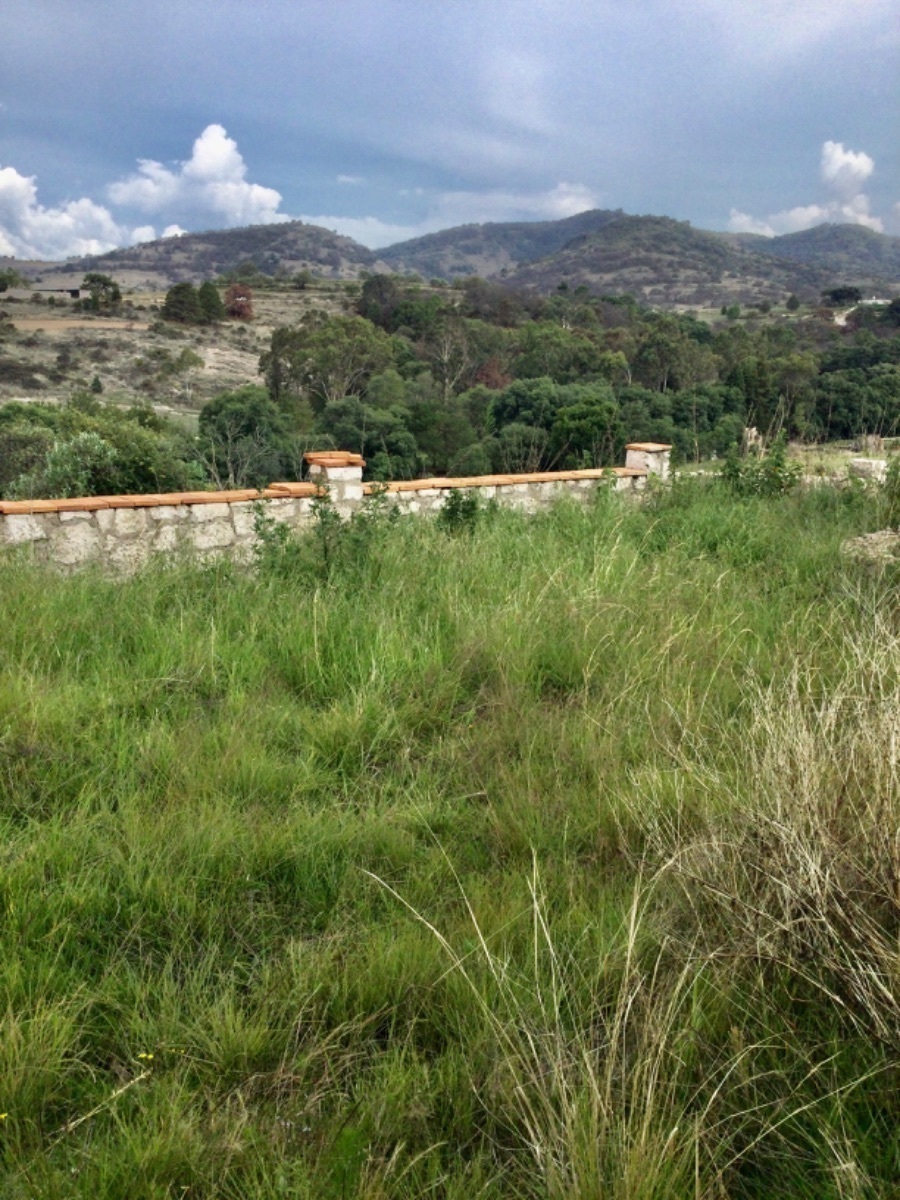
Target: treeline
[(478, 378), (473, 379)]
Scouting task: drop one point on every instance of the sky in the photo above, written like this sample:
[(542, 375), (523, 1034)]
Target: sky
[(125, 120)]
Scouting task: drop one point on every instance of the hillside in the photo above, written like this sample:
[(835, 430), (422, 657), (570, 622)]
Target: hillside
[(666, 262), (286, 247), (491, 249), (850, 251), (661, 261), (656, 258)]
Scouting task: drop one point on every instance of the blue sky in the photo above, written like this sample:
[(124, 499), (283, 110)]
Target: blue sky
[(121, 120)]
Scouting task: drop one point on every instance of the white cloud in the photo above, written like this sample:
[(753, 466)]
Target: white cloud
[(29, 230), (844, 172), (211, 184), (741, 222), (351, 179)]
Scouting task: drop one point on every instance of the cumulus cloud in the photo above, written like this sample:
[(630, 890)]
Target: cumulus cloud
[(844, 173), (211, 184), (210, 187), (30, 230)]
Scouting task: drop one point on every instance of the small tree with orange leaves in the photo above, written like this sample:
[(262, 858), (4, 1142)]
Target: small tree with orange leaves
[(239, 302)]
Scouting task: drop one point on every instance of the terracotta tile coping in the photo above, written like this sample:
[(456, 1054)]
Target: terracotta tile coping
[(652, 447), (420, 485), (334, 458), (286, 491)]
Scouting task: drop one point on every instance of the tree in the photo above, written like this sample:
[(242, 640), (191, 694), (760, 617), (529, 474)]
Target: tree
[(246, 440), (380, 436), (378, 300), (104, 291), (182, 304), (324, 359), (587, 430), (210, 302), (843, 295), (9, 277), (239, 302)]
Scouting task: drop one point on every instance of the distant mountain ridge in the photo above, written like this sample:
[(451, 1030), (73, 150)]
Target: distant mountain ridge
[(493, 248), (286, 247), (659, 260)]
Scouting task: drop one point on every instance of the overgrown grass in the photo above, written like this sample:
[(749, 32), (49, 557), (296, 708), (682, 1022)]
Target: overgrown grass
[(558, 860)]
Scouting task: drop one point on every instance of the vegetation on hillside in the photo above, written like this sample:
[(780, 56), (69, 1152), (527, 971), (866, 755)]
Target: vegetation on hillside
[(553, 860), (477, 378)]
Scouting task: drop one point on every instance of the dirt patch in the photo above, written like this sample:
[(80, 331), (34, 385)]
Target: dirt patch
[(58, 324)]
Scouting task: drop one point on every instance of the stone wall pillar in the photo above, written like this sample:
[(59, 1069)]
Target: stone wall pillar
[(652, 457), (340, 472)]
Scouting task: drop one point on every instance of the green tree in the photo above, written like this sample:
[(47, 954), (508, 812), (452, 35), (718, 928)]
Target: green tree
[(210, 302), (246, 440), (843, 295), (587, 431), (105, 293), (9, 278), (182, 304), (324, 359), (381, 436)]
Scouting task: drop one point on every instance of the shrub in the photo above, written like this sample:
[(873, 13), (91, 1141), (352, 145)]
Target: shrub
[(771, 475)]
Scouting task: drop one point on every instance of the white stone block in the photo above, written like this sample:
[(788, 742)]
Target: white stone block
[(75, 543), (126, 556), (204, 513), (128, 522), (18, 529), (168, 512), (65, 518), (341, 474), (869, 468), (243, 518), (213, 535)]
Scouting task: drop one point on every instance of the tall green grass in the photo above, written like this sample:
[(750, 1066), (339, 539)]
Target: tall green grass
[(551, 857)]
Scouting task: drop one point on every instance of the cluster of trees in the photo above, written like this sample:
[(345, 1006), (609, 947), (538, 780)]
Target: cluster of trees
[(189, 305), (478, 378), (474, 379), (88, 448)]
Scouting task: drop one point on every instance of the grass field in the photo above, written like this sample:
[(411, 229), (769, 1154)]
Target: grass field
[(553, 858)]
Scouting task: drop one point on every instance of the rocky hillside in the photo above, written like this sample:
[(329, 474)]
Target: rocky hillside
[(659, 260), (286, 248), (666, 262), (492, 249), (851, 251)]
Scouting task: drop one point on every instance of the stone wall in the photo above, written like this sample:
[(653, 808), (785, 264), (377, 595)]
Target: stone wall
[(121, 533)]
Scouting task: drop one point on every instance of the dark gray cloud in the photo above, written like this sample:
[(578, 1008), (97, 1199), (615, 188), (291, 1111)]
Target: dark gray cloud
[(443, 112)]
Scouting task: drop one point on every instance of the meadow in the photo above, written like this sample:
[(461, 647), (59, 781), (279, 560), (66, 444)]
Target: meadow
[(550, 857)]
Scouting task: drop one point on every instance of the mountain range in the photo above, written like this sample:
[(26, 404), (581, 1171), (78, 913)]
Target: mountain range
[(659, 260)]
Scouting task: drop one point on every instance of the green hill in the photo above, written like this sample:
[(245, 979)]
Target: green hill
[(666, 262), (286, 247), (491, 249), (853, 252)]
